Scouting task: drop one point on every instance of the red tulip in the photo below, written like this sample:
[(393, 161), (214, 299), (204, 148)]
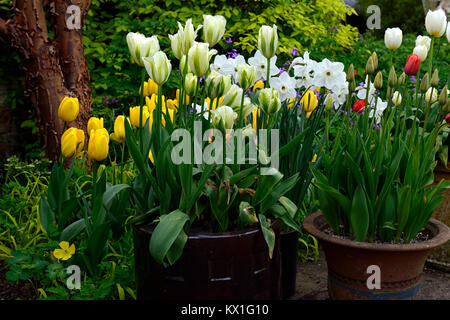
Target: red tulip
[(447, 118), (412, 65), (359, 106)]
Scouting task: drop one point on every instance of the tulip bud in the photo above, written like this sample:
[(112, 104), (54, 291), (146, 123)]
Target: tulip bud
[(397, 98), (190, 84), (175, 43), (436, 22), (246, 76), (217, 84), (269, 101), (329, 104), (443, 96), (268, 41), (435, 78), (309, 101), (447, 106), (424, 83), (359, 106), (187, 35), (370, 67), (233, 96), (119, 130), (393, 38), (412, 65), (141, 47), (98, 144), (392, 80), (422, 52), (72, 142), (198, 58), (135, 113), (184, 66), (447, 118), (247, 108), (378, 82), (213, 28), (375, 60), (431, 95), (68, 109), (223, 118), (158, 67), (390, 91), (401, 79), (94, 124), (351, 73)]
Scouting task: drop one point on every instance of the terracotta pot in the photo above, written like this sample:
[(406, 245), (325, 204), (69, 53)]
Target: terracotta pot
[(289, 244), (400, 265), (440, 258), (232, 265)]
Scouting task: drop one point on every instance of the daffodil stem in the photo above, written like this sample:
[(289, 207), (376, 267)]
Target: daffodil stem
[(141, 107)]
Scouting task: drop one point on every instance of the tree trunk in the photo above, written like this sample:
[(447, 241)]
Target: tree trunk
[(53, 68)]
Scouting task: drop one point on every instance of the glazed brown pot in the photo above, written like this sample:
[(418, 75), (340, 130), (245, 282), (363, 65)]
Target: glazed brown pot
[(400, 264), (229, 266), (440, 258)]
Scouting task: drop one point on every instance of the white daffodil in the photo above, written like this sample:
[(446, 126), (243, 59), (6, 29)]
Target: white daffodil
[(234, 63), (158, 67), (304, 71), (378, 109), (187, 35), (393, 38), (423, 41), (436, 22), (213, 28), (329, 74), (140, 46), (285, 85), (361, 91), (268, 41), (260, 63), (339, 94), (221, 65), (422, 52), (198, 58)]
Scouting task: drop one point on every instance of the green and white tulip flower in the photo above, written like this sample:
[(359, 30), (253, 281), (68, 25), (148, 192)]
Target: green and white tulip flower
[(233, 96), (217, 84), (141, 46), (190, 83), (431, 95), (246, 76), (269, 101), (223, 118), (176, 44), (393, 38), (397, 98), (213, 28), (268, 41), (198, 58), (187, 35), (158, 67), (436, 22)]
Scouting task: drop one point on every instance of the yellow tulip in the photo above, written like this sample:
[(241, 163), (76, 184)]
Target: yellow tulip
[(119, 130), (215, 104), (178, 98), (171, 113), (172, 104), (98, 144), (314, 159), (135, 116), (150, 156), (291, 103), (150, 87), (309, 101), (66, 251), (255, 114), (258, 85), (72, 142), (68, 109), (94, 124)]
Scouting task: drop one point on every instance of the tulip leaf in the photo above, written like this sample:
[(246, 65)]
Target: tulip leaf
[(111, 192), (46, 215), (266, 186), (268, 234), (359, 215), (72, 230)]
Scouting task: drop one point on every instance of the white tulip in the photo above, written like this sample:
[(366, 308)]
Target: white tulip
[(190, 83), (141, 46), (233, 96), (431, 95), (393, 38), (187, 35), (269, 101), (213, 28), (175, 43), (422, 52), (397, 98), (268, 41), (223, 118), (436, 22), (198, 58), (158, 67), (448, 32), (423, 41), (184, 66), (246, 76), (216, 84)]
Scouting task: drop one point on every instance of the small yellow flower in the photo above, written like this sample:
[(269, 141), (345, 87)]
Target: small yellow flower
[(314, 159), (119, 130), (66, 251), (309, 101), (72, 142), (94, 124), (258, 85), (68, 109), (150, 156), (98, 146)]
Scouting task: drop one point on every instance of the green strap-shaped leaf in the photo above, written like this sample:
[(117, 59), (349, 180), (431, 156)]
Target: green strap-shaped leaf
[(359, 215), (72, 230), (268, 234)]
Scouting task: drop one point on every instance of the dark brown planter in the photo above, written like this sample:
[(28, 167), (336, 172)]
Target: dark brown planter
[(440, 258), (229, 266), (401, 265), (289, 244)]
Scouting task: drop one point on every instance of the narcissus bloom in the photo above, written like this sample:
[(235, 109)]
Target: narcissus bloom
[(213, 28), (94, 124), (68, 109), (393, 38), (72, 142), (412, 65), (436, 22), (359, 106), (66, 251), (119, 130), (98, 144)]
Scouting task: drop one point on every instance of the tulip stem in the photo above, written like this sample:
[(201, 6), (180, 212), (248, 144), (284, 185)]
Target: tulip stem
[(266, 84), (428, 112), (141, 104), (62, 157), (240, 125), (430, 61), (122, 147)]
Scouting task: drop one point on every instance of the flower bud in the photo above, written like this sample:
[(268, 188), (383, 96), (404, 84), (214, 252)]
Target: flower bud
[(141, 46), (412, 65), (269, 101), (370, 67), (422, 52), (351, 73), (184, 66), (393, 38), (397, 98), (378, 82), (431, 95), (198, 58), (223, 118), (190, 84), (443, 96), (72, 142), (375, 60), (158, 67), (424, 83), (233, 96), (401, 79), (268, 41), (187, 35), (390, 91), (246, 76), (98, 144), (435, 78), (68, 109), (392, 80), (217, 84), (436, 22), (119, 130), (94, 124), (175, 43), (447, 118), (213, 28), (359, 106), (150, 87), (329, 104)]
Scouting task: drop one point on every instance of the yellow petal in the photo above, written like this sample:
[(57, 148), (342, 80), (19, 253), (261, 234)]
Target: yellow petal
[(64, 245), (58, 253), (72, 249)]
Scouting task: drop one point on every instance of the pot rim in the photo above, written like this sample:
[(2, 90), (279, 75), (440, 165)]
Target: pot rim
[(442, 236)]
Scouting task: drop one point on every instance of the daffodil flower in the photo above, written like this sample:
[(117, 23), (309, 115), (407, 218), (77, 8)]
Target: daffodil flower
[(66, 251)]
